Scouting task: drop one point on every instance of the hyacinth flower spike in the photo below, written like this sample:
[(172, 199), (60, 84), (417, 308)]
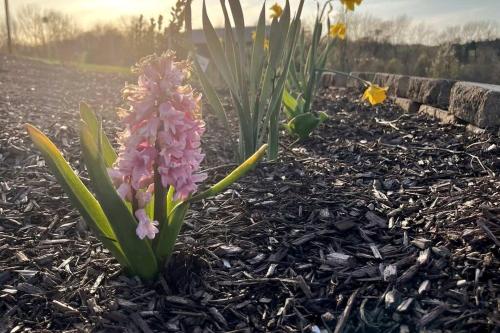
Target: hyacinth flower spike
[(142, 193)]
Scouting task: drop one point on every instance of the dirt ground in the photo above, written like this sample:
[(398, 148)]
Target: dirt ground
[(380, 222)]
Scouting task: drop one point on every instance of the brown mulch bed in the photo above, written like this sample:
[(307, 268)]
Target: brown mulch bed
[(381, 222)]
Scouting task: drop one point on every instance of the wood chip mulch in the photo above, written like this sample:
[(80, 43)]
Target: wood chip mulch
[(381, 222)]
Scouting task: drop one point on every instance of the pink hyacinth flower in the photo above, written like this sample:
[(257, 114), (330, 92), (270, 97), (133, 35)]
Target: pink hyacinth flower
[(162, 136)]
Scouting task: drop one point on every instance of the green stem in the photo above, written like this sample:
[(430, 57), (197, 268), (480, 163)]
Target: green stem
[(324, 70)]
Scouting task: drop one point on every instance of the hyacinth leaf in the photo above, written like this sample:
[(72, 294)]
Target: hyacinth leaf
[(170, 200), (150, 208), (138, 252), (89, 117), (81, 198), (236, 174), (165, 239)]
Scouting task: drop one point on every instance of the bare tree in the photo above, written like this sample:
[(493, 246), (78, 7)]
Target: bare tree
[(480, 30), (3, 34), (471, 31), (36, 26), (29, 25), (421, 33)]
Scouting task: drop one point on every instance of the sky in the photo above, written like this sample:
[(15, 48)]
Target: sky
[(439, 13)]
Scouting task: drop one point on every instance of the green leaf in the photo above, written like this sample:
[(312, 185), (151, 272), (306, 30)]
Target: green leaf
[(240, 50), (150, 208), (138, 252), (239, 23), (230, 47), (169, 205), (258, 53), (256, 87), (276, 98), (291, 105), (211, 95), (236, 174), (168, 234), (216, 51), (303, 124), (89, 117), (323, 116), (273, 136), (170, 200), (79, 195)]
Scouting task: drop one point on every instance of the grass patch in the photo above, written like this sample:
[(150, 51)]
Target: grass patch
[(84, 66)]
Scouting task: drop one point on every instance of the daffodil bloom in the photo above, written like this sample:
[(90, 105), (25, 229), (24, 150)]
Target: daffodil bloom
[(375, 94), (276, 11), (266, 44), (351, 3), (338, 30), (266, 41)]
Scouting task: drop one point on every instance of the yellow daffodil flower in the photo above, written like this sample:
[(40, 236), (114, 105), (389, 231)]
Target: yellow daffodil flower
[(375, 94), (338, 30), (351, 3), (276, 11), (266, 44), (266, 41)]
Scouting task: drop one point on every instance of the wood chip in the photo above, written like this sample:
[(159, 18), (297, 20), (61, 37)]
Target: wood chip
[(339, 259), (424, 287), (432, 315), (63, 307), (29, 288), (347, 311), (375, 219), (405, 305)]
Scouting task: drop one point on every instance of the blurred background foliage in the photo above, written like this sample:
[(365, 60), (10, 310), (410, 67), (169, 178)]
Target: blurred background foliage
[(468, 52)]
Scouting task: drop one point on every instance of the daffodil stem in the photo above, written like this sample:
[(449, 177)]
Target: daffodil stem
[(320, 17), (323, 70)]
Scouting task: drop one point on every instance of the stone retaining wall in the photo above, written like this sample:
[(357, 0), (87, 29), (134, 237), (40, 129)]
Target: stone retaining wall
[(476, 104)]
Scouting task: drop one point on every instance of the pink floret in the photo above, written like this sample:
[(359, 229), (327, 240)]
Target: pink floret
[(146, 227)]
